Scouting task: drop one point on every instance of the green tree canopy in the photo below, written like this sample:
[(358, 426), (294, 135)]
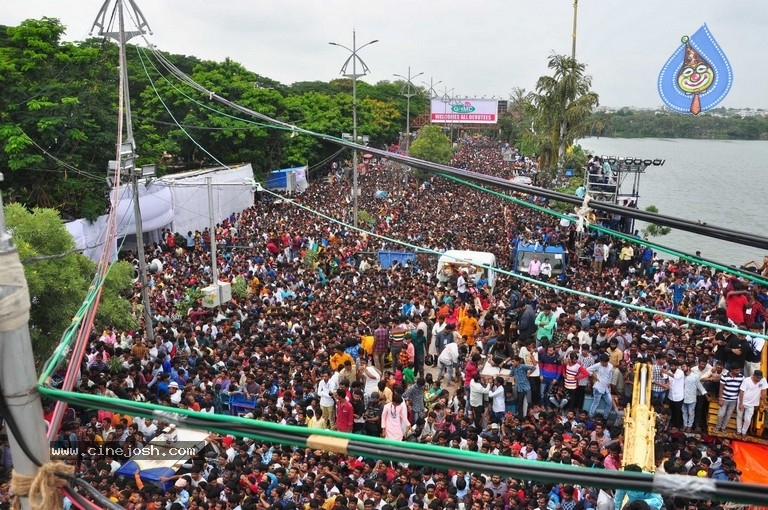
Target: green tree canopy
[(653, 230), (58, 116), (562, 107), (433, 145), (58, 284)]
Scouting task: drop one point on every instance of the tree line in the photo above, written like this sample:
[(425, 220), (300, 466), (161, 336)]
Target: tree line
[(58, 116), (643, 124)]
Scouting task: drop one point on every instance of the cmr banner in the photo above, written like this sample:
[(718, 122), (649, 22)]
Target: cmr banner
[(465, 111)]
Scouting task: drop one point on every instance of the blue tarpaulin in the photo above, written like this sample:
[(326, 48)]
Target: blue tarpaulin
[(151, 475), (292, 180), (387, 258), (277, 180)]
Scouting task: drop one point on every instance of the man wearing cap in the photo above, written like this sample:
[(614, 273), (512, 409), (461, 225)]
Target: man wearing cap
[(174, 392), (182, 496), (752, 394)]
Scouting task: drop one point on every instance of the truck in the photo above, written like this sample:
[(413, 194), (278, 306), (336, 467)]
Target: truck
[(523, 254), (477, 263)]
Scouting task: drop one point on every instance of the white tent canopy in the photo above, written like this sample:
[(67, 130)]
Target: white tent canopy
[(178, 202)]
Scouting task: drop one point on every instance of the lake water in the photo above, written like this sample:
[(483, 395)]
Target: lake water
[(720, 182)]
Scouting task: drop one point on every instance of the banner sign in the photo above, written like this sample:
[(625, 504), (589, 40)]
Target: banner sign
[(465, 111)]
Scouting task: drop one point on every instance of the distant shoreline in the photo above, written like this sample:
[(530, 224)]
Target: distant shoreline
[(709, 126)]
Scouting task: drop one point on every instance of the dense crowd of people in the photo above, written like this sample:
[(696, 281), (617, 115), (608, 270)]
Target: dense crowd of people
[(318, 335)]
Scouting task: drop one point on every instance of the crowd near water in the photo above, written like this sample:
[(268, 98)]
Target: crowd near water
[(321, 336)]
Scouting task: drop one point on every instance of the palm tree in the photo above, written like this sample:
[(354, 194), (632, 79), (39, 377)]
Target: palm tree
[(563, 106)]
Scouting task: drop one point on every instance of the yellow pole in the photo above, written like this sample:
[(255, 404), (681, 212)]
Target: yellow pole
[(640, 423)]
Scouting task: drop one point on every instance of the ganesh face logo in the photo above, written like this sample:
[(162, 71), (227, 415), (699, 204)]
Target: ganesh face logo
[(697, 76), (696, 79)]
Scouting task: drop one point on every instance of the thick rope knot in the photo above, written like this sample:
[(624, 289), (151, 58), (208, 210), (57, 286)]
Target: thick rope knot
[(41, 489), (582, 215)]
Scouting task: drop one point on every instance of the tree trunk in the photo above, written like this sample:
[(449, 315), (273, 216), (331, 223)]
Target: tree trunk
[(562, 145)]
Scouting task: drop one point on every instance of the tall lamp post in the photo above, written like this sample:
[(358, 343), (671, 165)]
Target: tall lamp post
[(575, 18), (433, 94), (408, 94), (446, 99), (131, 173), (354, 58)]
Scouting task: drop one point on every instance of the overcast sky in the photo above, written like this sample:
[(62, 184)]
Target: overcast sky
[(481, 48)]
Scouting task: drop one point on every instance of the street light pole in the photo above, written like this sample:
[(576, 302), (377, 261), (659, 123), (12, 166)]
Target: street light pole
[(353, 57), (575, 18), (431, 90), (128, 148), (447, 99), (150, 331), (408, 95)]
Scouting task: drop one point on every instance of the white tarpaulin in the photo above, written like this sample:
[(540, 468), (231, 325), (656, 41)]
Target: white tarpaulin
[(178, 202), (232, 193)]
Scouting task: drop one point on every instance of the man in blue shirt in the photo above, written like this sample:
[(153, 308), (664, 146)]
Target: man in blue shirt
[(647, 260), (520, 372), (677, 290)]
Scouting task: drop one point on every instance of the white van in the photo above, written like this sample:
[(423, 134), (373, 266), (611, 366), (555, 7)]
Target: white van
[(450, 264)]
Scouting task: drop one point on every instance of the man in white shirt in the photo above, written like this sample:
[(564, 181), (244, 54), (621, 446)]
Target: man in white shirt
[(478, 388), (676, 393), (751, 394), (448, 358), (326, 390), (601, 388), (496, 395), (438, 327), (546, 269), (461, 285), (174, 392), (147, 428)]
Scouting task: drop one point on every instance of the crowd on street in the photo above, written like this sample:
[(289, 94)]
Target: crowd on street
[(321, 336)]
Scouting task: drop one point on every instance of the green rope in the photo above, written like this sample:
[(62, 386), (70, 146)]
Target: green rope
[(297, 436), (671, 251)]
